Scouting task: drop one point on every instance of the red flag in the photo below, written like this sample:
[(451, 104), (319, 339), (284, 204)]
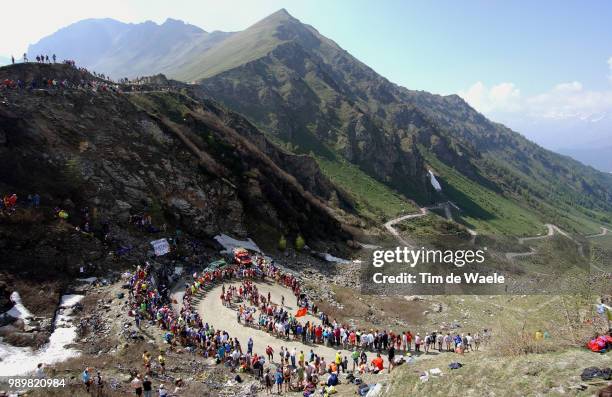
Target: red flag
[(301, 312)]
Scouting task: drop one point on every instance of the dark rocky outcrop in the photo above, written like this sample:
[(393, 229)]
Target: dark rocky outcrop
[(190, 165)]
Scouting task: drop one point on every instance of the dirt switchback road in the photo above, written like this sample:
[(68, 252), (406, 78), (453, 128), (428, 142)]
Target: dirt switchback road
[(224, 318)]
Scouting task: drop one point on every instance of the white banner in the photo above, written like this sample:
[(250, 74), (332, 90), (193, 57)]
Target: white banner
[(161, 247)]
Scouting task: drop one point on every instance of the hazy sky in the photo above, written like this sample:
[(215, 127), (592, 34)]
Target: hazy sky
[(514, 60)]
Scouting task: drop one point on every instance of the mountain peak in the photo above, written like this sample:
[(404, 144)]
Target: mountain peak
[(279, 17), (282, 13), (172, 21), (179, 24)]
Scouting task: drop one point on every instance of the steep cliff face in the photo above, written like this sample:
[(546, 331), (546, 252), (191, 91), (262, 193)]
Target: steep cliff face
[(303, 167), (188, 164), (97, 148), (296, 96)]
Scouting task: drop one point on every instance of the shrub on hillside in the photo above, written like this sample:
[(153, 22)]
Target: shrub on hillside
[(282, 243), (299, 242), (516, 341)]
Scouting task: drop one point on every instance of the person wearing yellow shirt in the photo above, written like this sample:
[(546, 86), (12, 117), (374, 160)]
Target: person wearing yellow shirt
[(146, 360), (338, 360), (539, 335), (162, 363)]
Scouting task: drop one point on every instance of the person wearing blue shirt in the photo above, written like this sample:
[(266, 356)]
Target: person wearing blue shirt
[(332, 380), (278, 379), (86, 379), (250, 346), (221, 353), (457, 339)]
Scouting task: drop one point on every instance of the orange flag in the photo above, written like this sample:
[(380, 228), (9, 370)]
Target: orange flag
[(301, 312)]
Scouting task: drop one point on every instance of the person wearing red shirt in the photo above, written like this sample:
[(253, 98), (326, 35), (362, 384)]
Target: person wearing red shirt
[(378, 363), (319, 333)]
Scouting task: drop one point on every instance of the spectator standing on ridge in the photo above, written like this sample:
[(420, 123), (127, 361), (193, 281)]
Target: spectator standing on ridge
[(268, 381), (12, 59), (54, 58), (40, 371), (278, 379), (137, 385), (147, 387), (162, 362), (86, 379), (25, 57), (99, 384)]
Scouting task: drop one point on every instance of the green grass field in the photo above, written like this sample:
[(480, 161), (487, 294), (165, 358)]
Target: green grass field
[(483, 209), (604, 242), (513, 363), (373, 198), (491, 212), (485, 374)]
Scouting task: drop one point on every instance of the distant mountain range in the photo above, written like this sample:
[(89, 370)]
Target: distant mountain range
[(312, 97), (598, 157), (128, 50), (586, 139)]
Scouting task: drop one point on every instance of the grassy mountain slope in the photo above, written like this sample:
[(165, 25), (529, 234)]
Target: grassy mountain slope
[(240, 48), (373, 199), (516, 164), (309, 92), (292, 94)]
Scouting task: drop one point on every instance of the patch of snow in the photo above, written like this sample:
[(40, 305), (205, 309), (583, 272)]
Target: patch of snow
[(230, 243), (69, 300), (87, 280), (368, 246), (434, 182), (23, 360), (331, 258), (18, 310)]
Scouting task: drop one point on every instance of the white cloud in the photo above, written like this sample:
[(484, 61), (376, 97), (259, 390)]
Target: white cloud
[(566, 116), (570, 100), (500, 97), (574, 86), (564, 101)]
